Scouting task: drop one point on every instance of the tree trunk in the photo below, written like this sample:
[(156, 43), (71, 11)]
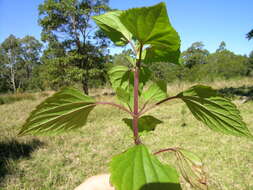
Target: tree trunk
[(13, 80), (28, 73)]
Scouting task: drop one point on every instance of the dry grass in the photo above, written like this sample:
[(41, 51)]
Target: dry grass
[(63, 162), (10, 98)]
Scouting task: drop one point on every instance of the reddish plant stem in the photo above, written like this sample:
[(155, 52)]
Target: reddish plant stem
[(136, 111), (158, 103), (136, 99), (166, 99), (117, 106), (166, 150)]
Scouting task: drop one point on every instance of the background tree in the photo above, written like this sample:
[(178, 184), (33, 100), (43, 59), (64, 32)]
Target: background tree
[(249, 35), (19, 58), (30, 60), (56, 70), (194, 55), (3, 74), (200, 66), (250, 64), (67, 26), (226, 64), (221, 47), (10, 60), (251, 57)]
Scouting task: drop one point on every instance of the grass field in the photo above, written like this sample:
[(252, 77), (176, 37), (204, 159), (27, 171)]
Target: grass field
[(63, 162)]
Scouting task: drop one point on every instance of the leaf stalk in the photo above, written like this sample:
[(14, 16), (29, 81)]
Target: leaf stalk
[(166, 150), (143, 110), (117, 106)]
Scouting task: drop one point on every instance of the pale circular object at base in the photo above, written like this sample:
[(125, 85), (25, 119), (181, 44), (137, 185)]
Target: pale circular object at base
[(98, 182)]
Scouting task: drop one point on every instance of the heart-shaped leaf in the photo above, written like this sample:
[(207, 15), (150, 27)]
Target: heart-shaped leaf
[(125, 97), (151, 25), (156, 92), (113, 28), (161, 54), (137, 169), (122, 76)]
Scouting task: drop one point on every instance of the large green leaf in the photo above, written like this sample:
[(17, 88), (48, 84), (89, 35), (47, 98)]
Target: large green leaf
[(122, 80), (156, 92), (217, 112), (161, 54), (137, 169), (123, 77), (113, 28), (151, 25), (125, 97), (145, 123), (66, 110), (144, 76)]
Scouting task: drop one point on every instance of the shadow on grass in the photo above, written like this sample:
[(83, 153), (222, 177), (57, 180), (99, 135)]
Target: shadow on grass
[(161, 186), (13, 150), (243, 92)]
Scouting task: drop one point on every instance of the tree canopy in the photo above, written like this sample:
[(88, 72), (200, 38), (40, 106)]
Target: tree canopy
[(72, 52), (194, 55), (19, 58)]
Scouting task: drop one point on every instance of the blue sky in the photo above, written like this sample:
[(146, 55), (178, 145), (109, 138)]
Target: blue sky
[(209, 21)]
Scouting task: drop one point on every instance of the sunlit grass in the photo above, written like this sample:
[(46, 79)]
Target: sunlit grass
[(63, 162)]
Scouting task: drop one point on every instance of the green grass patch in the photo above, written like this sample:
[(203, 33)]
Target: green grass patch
[(63, 162)]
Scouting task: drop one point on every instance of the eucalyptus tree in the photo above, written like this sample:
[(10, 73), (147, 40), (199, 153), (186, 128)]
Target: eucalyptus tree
[(153, 39), (68, 24), (30, 59), (19, 57), (10, 52), (221, 47), (3, 74), (195, 55), (31, 49)]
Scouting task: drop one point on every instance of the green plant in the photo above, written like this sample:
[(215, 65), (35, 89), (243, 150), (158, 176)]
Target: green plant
[(153, 39)]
